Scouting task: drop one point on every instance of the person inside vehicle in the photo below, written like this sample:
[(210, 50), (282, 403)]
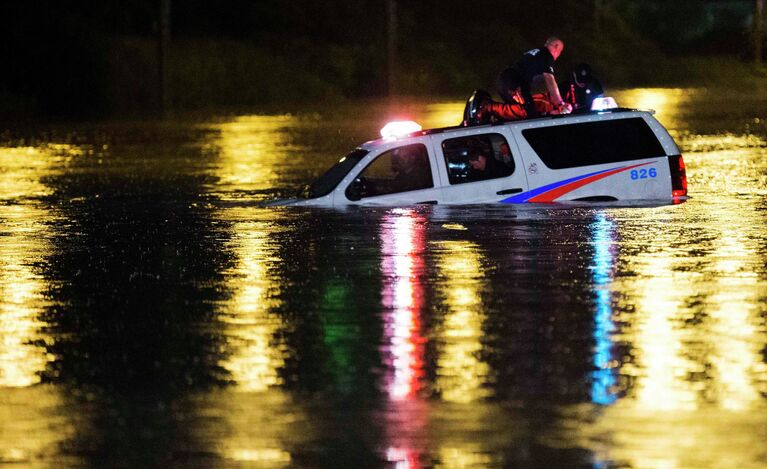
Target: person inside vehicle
[(516, 82), (411, 169), (582, 87), (505, 152), (482, 166)]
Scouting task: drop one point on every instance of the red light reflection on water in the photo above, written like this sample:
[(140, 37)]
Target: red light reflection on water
[(403, 239), (403, 458), (403, 242)]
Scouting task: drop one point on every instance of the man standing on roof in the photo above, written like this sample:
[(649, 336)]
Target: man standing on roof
[(535, 65)]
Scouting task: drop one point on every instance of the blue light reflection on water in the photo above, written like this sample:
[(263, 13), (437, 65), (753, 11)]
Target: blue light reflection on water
[(603, 379)]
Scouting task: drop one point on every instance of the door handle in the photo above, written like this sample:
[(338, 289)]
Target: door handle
[(515, 190), (427, 202)]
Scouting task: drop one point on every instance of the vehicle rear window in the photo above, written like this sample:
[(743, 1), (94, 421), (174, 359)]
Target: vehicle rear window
[(589, 143)]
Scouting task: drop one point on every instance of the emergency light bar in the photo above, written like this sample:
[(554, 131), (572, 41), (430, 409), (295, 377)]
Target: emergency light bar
[(397, 129), (603, 104)]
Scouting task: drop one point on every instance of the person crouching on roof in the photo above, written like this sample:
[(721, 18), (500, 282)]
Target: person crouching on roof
[(516, 82)]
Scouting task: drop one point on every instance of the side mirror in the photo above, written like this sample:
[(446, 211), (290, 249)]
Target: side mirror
[(356, 189)]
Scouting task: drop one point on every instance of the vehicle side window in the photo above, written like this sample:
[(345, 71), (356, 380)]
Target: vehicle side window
[(399, 170), (477, 158), (589, 143)]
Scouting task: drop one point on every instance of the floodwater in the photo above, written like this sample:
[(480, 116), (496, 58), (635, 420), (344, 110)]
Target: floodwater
[(154, 313)]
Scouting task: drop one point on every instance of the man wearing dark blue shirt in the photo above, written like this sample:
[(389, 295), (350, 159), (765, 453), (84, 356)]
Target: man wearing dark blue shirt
[(534, 65)]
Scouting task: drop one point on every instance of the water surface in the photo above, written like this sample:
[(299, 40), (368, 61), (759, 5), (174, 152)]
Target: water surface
[(154, 313)]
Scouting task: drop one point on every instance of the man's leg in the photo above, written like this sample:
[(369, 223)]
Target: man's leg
[(506, 111)]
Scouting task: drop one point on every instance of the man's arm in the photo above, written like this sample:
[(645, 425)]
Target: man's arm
[(554, 96), (551, 85)]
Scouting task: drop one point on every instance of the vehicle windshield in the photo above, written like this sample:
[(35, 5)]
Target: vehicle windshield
[(328, 181)]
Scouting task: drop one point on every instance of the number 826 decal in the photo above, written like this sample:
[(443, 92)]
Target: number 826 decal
[(643, 173)]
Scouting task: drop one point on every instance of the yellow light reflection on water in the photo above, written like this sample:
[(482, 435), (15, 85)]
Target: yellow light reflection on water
[(22, 359), (250, 429), (255, 354), (22, 243), (33, 425), (693, 326), (658, 340), (23, 168), (661, 100), (249, 149), (460, 372), (664, 101), (696, 335), (36, 422), (727, 141), (466, 455), (262, 456), (734, 315)]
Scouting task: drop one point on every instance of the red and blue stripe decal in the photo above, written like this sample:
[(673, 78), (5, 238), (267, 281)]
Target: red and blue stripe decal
[(551, 192)]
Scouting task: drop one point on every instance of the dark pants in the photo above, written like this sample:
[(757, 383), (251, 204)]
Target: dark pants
[(507, 84)]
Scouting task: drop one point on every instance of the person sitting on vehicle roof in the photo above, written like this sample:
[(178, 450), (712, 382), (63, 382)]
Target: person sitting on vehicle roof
[(516, 110), (516, 82), (582, 87)]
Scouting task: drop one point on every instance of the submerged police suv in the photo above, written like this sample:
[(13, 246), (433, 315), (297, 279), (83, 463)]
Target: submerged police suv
[(607, 155)]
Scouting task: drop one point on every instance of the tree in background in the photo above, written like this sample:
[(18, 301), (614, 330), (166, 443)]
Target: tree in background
[(758, 30), (100, 56)]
